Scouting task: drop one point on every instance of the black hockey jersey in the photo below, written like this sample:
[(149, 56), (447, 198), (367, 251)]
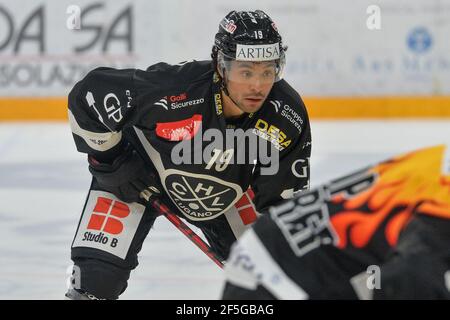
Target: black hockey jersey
[(172, 115), (381, 233)]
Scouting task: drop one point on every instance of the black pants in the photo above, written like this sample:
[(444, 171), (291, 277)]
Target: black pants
[(110, 235)]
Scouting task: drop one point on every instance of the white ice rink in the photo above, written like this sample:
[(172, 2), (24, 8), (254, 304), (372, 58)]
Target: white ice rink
[(44, 181)]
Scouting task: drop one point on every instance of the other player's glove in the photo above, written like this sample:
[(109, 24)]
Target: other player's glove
[(128, 177)]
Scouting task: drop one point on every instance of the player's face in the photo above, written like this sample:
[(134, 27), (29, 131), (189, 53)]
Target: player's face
[(249, 83)]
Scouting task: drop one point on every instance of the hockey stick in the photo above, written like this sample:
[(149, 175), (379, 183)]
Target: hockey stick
[(164, 210), (188, 232)]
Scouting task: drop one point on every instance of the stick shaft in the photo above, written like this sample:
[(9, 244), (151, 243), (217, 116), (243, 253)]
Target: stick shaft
[(187, 231)]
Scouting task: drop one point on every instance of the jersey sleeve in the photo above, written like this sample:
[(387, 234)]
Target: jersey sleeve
[(99, 106), (292, 176)]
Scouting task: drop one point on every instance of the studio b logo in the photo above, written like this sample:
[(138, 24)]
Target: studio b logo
[(74, 277)]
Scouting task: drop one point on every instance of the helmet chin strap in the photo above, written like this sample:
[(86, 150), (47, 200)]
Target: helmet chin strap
[(224, 88)]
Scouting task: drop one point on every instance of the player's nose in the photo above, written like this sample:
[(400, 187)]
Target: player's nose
[(256, 86)]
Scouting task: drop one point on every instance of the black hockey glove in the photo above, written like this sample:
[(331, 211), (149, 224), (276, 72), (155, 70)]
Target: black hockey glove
[(128, 177)]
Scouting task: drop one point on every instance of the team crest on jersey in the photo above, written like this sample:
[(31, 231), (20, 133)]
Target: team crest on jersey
[(200, 197)]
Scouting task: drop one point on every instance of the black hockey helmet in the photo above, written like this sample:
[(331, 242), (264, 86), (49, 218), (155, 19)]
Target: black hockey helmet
[(248, 36)]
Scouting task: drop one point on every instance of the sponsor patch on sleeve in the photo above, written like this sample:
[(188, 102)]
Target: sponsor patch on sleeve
[(179, 130)]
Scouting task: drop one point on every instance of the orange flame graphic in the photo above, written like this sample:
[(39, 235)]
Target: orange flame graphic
[(406, 185)]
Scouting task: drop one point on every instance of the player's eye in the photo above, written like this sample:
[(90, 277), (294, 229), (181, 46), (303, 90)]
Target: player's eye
[(246, 74), (268, 74)]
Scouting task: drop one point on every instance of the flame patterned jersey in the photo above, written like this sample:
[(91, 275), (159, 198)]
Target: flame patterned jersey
[(393, 217)]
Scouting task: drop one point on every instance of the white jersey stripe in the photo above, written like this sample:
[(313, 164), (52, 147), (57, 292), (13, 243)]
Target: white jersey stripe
[(95, 140), (250, 251)]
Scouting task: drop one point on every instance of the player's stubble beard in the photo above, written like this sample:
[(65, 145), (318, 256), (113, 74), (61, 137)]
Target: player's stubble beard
[(245, 103)]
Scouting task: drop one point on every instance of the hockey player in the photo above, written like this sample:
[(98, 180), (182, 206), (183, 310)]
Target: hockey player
[(148, 135), (380, 233)]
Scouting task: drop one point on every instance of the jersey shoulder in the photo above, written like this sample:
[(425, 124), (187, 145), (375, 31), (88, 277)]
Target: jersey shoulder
[(107, 77), (160, 75), (283, 90), (284, 108), (284, 97), (101, 83), (178, 75)]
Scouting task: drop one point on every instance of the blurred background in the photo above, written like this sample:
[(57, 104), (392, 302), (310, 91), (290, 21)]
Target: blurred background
[(375, 77)]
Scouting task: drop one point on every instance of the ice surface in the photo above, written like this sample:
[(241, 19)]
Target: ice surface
[(44, 181)]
